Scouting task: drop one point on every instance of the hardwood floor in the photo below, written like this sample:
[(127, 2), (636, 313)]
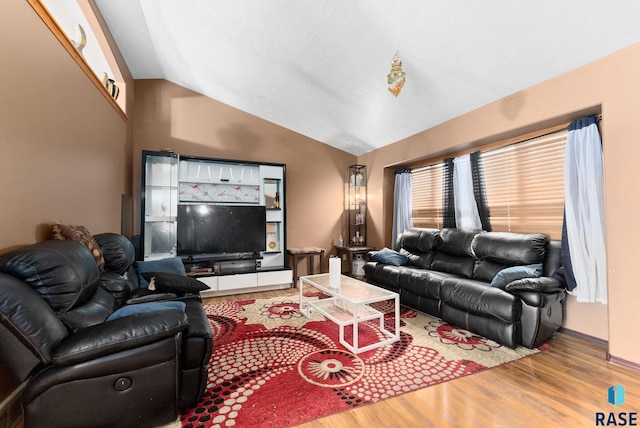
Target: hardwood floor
[(564, 386)]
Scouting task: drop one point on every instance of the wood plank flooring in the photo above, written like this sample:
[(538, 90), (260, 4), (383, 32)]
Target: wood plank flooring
[(562, 387), (565, 387)]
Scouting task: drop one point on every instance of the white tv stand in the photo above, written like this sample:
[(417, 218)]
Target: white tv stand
[(244, 280)]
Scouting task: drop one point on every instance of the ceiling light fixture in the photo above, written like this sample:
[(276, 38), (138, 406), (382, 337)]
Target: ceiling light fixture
[(396, 76)]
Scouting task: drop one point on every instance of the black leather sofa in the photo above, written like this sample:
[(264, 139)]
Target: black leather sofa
[(82, 369), (449, 274)]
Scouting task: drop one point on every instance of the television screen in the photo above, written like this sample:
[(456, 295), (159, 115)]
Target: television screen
[(221, 229)]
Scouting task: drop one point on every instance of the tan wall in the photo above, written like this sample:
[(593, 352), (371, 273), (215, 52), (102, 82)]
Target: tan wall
[(168, 115), (610, 85), (67, 154), (63, 145)]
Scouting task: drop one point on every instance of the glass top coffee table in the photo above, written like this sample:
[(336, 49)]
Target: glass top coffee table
[(350, 305)]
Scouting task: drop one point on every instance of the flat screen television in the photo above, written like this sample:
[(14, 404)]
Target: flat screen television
[(215, 230)]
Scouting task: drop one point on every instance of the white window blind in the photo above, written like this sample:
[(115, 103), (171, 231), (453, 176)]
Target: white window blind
[(524, 184), (426, 196)]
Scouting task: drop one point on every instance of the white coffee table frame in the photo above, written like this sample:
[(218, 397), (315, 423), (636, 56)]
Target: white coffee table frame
[(349, 306)]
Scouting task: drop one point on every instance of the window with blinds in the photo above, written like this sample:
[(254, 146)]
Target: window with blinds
[(524, 184), (426, 196)]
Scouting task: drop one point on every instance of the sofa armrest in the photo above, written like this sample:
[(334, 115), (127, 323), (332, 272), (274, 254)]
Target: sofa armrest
[(152, 297), (119, 334), (372, 253), (113, 282), (544, 284)]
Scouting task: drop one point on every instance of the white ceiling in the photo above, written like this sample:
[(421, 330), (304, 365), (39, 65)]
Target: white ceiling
[(318, 67)]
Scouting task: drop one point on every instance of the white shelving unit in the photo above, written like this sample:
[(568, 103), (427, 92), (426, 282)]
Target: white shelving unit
[(170, 179), (159, 204)]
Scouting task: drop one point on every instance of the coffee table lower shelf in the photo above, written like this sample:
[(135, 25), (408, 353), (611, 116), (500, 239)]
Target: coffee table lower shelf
[(345, 311)]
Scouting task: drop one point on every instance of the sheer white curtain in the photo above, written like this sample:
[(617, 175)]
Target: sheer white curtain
[(401, 204), (584, 211), (467, 216)]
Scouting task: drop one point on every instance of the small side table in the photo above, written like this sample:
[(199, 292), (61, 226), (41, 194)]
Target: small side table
[(350, 252), (304, 252)]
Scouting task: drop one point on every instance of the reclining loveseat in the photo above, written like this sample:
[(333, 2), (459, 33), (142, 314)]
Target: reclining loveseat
[(507, 287), (94, 348)]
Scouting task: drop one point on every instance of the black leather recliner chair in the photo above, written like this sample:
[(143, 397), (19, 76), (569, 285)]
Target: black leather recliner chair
[(82, 370), (121, 280)]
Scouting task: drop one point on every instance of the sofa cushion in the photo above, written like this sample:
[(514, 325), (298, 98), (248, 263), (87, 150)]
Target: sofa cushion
[(479, 298), (419, 260), (513, 273), (424, 283), (418, 245), (64, 273), (457, 242), (389, 257), (504, 332), (386, 276), (76, 233), (93, 311), (419, 240), (509, 248), (170, 264), (486, 270), (462, 266), (119, 253)]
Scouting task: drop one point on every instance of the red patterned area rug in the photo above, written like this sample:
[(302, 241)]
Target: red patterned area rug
[(273, 367)]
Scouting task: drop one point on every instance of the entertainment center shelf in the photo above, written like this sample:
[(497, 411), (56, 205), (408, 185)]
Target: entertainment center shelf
[(229, 281), (194, 206)]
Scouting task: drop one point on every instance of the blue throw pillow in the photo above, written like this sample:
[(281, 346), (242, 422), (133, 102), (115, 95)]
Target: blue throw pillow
[(170, 265), (513, 273), (141, 308), (390, 257)]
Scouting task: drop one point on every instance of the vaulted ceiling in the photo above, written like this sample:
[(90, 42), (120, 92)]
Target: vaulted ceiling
[(319, 67)]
